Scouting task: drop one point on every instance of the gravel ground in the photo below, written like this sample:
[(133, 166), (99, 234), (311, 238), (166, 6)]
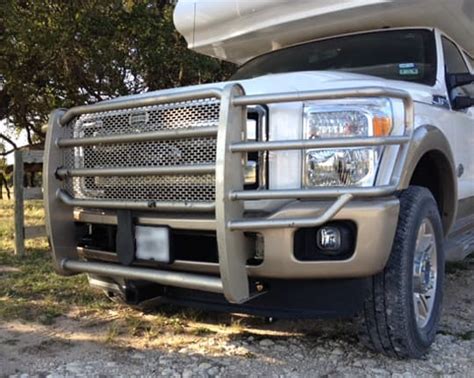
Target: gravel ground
[(247, 347)]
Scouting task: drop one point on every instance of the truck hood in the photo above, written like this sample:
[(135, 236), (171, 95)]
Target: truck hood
[(321, 80), (312, 80)]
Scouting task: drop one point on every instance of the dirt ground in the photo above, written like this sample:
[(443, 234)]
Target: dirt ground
[(171, 342)]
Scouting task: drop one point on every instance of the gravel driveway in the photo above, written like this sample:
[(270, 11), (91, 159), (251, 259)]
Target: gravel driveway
[(225, 345)]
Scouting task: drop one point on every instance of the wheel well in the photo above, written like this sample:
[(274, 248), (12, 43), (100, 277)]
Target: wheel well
[(435, 173)]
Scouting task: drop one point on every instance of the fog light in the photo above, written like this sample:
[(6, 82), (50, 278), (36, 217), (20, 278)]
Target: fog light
[(328, 238), (333, 241)]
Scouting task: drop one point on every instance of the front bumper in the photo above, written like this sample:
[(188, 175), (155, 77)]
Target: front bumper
[(375, 212), (375, 220)]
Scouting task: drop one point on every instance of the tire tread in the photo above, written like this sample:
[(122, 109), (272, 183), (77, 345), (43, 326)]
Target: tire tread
[(385, 325)]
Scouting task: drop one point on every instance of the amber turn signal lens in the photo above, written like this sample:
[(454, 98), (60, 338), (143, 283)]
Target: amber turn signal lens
[(382, 126)]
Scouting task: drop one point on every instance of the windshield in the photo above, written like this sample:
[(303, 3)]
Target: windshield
[(408, 55)]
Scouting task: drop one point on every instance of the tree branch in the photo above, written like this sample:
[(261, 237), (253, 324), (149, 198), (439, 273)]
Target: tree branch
[(28, 134), (3, 154), (9, 141)]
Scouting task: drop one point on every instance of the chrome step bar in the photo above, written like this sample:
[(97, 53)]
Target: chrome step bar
[(230, 220), (184, 280)]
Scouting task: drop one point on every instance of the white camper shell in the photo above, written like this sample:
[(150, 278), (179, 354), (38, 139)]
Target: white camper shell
[(239, 30)]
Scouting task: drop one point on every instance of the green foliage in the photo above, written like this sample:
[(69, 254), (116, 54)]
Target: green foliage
[(30, 288), (59, 54), (33, 292)]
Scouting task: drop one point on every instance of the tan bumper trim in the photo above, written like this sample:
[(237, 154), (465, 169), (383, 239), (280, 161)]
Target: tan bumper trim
[(200, 222)]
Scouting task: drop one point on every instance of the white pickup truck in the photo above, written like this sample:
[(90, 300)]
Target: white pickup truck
[(328, 177)]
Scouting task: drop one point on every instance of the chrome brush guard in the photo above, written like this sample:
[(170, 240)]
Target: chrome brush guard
[(227, 169)]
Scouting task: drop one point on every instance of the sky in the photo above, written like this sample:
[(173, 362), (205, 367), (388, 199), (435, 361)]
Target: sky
[(20, 140)]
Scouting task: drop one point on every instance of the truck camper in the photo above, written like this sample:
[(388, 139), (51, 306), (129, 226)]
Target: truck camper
[(331, 176), (237, 31)]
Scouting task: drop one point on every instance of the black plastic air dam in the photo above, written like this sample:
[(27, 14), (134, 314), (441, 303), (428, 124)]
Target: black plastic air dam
[(296, 299)]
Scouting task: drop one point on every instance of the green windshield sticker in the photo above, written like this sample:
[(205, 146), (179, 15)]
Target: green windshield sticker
[(408, 69)]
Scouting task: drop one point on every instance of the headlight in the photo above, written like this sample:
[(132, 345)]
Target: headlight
[(345, 166)]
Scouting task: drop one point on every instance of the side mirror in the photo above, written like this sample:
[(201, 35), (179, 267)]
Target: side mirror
[(462, 102), (459, 80)]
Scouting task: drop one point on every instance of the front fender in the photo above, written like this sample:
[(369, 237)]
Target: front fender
[(429, 139)]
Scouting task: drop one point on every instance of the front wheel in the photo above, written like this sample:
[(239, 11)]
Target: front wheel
[(402, 311)]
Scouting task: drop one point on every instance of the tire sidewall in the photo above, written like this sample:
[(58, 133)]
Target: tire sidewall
[(426, 209)]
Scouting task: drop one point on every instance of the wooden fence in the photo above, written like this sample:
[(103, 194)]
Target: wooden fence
[(22, 194)]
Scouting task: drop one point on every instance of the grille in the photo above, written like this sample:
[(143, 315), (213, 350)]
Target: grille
[(186, 151)]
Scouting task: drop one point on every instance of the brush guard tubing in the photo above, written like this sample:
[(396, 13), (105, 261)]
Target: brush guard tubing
[(230, 194)]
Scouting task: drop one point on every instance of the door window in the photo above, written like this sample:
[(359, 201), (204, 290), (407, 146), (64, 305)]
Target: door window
[(453, 58), (455, 63)]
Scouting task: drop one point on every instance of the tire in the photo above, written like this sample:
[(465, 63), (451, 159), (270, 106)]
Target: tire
[(390, 322)]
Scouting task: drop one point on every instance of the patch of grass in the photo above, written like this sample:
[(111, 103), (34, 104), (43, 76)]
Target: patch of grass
[(191, 314), (32, 291), (37, 280), (112, 333), (37, 293), (43, 312), (131, 323), (34, 216), (175, 325), (136, 325), (235, 324), (201, 331)]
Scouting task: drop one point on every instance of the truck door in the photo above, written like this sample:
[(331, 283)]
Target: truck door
[(463, 121)]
